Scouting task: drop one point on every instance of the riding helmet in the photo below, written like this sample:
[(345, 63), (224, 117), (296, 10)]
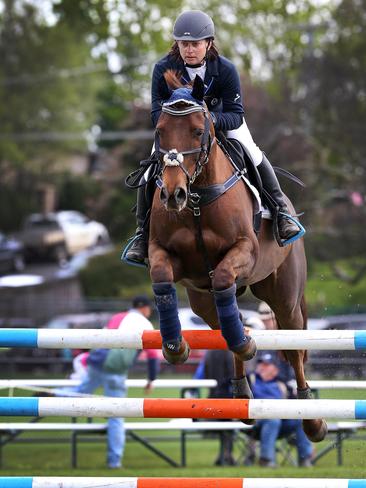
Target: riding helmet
[(193, 25)]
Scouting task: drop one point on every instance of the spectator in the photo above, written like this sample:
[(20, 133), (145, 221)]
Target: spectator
[(109, 367), (265, 384)]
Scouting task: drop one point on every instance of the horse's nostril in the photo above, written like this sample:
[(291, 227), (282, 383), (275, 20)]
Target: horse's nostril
[(180, 195), (163, 195)]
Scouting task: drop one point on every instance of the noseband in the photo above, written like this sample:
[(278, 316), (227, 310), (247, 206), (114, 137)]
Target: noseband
[(172, 157)]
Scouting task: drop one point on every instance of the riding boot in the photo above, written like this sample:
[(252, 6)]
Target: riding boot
[(138, 251), (286, 228)]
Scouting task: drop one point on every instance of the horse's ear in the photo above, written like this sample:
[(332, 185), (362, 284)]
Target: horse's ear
[(164, 89), (198, 90)]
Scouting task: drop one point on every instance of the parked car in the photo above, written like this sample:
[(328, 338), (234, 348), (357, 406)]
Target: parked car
[(80, 231), (59, 235), (11, 254), (43, 237)]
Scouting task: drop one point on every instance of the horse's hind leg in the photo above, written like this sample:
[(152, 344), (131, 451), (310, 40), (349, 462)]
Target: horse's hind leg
[(315, 429), (290, 313)]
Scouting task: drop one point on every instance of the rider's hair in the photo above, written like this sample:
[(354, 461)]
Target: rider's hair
[(212, 53)]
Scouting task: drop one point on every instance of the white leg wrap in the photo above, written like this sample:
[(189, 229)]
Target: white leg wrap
[(243, 135)]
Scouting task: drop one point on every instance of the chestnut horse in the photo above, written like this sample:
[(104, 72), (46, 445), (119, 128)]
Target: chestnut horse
[(201, 235)]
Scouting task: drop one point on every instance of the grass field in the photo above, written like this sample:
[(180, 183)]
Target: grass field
[(53, 459)]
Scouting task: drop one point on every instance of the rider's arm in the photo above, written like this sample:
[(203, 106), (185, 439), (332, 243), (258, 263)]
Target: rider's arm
[(156, 93), (232, 113)]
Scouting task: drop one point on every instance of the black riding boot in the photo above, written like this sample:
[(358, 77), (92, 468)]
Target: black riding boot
[(286, 228), (139, 249)]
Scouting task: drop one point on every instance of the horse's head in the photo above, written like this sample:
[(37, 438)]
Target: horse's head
[(184, 136)]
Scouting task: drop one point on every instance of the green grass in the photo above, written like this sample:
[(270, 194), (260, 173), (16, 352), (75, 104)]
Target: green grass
[(52, 459)]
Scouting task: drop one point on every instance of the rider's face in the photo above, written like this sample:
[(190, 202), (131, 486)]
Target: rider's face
[(193, 52)]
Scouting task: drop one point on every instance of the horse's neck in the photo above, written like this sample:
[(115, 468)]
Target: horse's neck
[(217, 170)]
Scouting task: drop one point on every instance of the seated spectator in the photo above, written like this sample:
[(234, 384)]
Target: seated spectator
[(265, 383)]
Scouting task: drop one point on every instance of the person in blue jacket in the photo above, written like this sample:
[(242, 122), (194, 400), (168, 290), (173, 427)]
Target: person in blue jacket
[(266, 383), (194, 53)]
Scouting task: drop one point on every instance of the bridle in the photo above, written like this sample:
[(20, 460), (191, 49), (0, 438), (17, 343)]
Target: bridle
[(172, 157)]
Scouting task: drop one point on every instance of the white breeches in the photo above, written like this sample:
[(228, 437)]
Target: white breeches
[(243, 135)]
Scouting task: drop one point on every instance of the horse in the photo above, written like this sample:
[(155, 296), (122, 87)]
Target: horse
[(202, 236)]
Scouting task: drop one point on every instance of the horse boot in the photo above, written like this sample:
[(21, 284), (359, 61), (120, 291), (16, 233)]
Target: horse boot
[(242, 345), (174, 348), (286, 227), (138, 250)]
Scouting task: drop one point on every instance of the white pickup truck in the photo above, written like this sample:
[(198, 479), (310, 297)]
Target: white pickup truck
[(59, 235)]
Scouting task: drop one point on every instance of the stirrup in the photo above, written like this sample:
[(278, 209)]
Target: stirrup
[(285, 242), (125, 251)]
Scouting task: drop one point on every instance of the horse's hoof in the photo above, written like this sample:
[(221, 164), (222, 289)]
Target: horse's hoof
[(176, 352), (315, 430), (247, 351), (241, 389)]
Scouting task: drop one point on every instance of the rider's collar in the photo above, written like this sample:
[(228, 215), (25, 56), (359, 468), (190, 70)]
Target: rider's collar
[(198, 65)]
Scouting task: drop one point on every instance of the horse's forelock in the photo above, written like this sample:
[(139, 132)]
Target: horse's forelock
[(172, 78)]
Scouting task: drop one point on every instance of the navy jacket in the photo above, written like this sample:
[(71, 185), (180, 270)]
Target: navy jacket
[(223, 95)]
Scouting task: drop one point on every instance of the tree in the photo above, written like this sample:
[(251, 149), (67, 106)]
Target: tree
[(44, 93), (334, 103)]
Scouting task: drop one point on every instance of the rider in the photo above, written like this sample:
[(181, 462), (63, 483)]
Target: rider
[(194, 53)]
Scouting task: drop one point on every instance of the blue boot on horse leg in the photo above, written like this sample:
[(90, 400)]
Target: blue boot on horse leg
[(231, 325), (175, 349)]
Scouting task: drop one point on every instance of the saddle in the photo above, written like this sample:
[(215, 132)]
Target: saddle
[(241, 160)]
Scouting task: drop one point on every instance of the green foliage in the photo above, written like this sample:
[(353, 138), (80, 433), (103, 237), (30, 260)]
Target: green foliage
[(42, 90), (326, 294), (14, 206), (78, 192), (107, 276)]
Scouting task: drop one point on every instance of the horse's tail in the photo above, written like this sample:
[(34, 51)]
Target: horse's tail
[(304, 313)]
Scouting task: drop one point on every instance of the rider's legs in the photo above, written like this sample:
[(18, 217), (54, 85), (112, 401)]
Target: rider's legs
[(139, 248), (286, 227)]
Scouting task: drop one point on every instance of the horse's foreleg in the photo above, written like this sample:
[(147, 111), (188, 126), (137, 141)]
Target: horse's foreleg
[(175, 349), (239, 260)]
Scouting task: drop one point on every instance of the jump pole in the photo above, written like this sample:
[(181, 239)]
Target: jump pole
[(183, 408), (198, 339), (55, 482)]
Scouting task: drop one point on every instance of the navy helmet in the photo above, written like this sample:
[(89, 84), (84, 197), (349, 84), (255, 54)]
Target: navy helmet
[(193, 25)]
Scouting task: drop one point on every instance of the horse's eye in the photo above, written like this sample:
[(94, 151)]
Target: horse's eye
[(198, 132)]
